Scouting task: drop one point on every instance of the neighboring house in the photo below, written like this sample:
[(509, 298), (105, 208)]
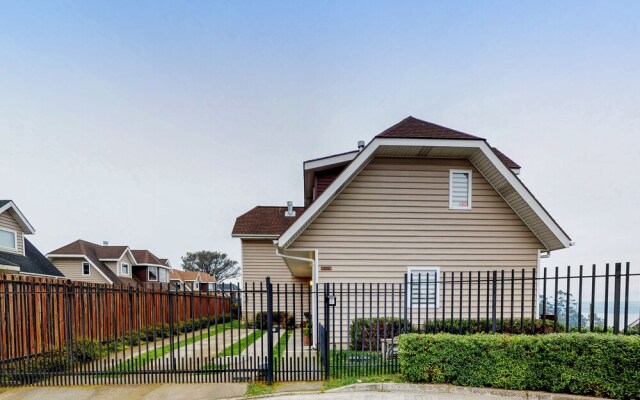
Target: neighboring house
[(418, 199), (192, 280), (17, 254), (149, 268), (90, 262)]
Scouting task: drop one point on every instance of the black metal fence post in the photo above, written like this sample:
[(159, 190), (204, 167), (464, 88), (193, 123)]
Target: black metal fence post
[(325, 353), (494, 301), (616, 297), (269, 332)]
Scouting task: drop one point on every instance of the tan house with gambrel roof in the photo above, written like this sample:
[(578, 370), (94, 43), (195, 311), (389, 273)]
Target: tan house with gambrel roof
[(418, 198)]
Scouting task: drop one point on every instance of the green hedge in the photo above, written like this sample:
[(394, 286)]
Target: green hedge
[(367, 333), (585, 364), (484, 325), (280, 318)]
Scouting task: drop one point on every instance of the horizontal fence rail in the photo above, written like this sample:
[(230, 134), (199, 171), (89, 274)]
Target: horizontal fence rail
[(58, 332)]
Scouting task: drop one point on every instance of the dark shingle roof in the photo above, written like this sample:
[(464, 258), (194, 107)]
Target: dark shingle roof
[(94, 253), (415, 128), (505, 160), (3, 202), (33, 262), (264, 220), (146, 257)]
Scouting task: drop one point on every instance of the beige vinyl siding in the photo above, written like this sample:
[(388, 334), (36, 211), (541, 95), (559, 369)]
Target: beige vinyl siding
[(127, 260), (395, 214), (71, 268), (259, 260), (8, 221)]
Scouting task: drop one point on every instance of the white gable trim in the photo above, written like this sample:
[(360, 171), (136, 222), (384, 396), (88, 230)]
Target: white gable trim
[(53, 255), (363, 158), (26, 226)]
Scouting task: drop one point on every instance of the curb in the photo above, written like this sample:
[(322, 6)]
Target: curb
[(435, 388)]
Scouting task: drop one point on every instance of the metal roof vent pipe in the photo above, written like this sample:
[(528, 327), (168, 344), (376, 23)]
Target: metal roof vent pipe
[(360, 145), (289, 212), (105, 243)]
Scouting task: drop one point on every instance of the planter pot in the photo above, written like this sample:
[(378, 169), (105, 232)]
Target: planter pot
[(307, 340)]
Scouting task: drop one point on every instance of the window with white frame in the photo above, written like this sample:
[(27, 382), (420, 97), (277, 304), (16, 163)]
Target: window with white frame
[(196, 285), (8, 239), (152, 274), (86, 269), (424, 287), (162, 273), (460, 189), (124, 269)]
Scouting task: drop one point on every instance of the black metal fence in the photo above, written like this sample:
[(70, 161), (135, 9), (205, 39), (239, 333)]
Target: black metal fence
[(266, 331)]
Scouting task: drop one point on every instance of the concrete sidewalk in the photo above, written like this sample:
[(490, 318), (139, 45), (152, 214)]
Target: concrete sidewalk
[(193, 391)]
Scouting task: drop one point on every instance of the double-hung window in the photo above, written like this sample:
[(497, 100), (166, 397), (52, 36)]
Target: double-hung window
[(86, 269), (124, 269), (460, 189), (424, 287), (152, 274), (8, 239)]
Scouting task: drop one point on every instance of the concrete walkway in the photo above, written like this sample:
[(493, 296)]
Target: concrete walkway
[(193, 391)]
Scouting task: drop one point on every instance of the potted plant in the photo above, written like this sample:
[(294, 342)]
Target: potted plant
[(307, 336)]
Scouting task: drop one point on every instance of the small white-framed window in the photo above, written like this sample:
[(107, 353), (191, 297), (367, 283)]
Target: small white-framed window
[(8, 239), (86, 269), (162, 273), (124, 269), (196, 285), (460, 189), (424, 287), (152, 274)]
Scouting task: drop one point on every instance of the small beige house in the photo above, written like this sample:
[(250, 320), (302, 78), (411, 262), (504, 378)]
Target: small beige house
[(419, 199), (90, 262), (17, 254)]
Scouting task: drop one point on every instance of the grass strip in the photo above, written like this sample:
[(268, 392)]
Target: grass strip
[(279, 349), (140, 360), (239, 346)]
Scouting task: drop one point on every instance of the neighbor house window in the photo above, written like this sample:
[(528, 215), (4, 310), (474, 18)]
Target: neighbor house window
[(152, 273), (424, 287), (460, 190), (86, 269), (163, 275), (8, 239), (196, 285), (125, 269)]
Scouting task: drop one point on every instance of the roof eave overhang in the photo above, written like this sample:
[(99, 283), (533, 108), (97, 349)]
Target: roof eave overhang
[(22, 220), (254, 236), (477, 151)]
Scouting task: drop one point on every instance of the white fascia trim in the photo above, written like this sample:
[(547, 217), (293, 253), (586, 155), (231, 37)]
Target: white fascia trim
[(50, 255), (130, 255), (331, 160), (5, 267), (44, 275), (26, 225), (257, 236), (526, 195), (368, 152)]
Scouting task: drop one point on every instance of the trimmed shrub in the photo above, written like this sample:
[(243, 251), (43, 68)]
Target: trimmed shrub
[(281, 319), (585, 364), (85, 349), (367, 333), (482, 325)]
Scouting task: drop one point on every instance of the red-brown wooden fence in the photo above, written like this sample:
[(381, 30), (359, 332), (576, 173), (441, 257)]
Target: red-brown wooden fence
[(38, 314)]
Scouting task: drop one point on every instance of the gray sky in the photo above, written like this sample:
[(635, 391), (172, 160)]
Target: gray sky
[(155, 125)]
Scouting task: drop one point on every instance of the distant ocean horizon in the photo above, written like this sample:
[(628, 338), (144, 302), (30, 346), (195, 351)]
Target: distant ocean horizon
[(599, 308)]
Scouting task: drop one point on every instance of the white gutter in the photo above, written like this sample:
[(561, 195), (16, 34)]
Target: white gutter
[(314, 280)]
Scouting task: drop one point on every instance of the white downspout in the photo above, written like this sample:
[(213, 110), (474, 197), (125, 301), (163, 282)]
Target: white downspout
[(314, 280)]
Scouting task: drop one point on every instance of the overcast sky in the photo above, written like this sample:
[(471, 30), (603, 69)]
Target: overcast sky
[(156, 124)]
